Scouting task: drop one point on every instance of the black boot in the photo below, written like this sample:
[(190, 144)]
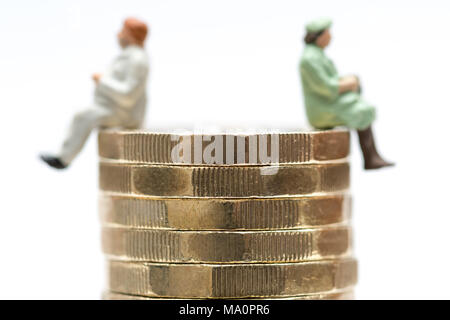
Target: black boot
[(372, 160), (53, 162)]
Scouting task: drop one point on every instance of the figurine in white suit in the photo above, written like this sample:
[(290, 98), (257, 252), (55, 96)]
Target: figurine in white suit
[(119, 99)]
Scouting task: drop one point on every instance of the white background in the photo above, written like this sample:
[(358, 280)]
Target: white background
[(229, 63)]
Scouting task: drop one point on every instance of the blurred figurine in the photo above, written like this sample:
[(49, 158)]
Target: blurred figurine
[(331, 100), (119, 98)]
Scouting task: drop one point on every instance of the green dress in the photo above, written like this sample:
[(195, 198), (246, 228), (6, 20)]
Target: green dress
[(325, 106)]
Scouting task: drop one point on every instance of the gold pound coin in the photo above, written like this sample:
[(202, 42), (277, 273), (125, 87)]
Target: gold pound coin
[(226, 246), (229, 149), (224, 182), (231, 281), (219, 214)]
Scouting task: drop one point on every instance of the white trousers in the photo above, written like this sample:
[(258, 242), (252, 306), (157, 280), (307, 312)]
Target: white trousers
[(84, 122)]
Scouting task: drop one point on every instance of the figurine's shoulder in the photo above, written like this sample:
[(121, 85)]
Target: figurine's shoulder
[(311, 53), (311, 56)]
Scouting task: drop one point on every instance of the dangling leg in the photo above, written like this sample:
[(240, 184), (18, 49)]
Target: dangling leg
[(82, 125), (372, 160)]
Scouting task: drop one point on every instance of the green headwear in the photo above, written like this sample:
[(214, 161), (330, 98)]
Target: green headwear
[(318, 25)]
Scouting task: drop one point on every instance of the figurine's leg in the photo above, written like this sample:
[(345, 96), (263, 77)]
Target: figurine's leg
[(82, 125), (372, 160)]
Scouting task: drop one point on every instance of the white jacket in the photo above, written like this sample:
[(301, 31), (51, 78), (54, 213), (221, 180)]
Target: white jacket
[(122, 87)]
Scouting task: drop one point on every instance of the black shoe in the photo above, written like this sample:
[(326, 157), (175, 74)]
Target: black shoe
[(53, 162)]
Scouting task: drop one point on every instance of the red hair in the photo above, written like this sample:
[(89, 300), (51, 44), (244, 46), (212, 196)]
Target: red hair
[(136, 29)]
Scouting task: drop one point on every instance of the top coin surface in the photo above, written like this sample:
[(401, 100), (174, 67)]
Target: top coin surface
[(223, 149)]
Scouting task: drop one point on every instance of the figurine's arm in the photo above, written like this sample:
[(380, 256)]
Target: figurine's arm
[(125, 91), (320, 81), (348, 83)]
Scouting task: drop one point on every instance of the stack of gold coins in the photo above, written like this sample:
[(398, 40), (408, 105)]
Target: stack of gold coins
[(195, 216)]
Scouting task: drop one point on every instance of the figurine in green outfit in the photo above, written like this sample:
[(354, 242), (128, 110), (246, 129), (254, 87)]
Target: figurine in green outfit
[(332, 100)]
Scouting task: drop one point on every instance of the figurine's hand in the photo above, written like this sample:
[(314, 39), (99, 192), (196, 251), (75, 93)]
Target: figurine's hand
[(96, 77), (354, 83), (349, 83), (358, 82)]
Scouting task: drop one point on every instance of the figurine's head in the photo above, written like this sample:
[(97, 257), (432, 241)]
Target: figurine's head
[(133, 32), (318, 32), (324, 39)]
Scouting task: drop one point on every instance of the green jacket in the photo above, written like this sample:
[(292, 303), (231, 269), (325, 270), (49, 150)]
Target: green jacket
[(325, 106)]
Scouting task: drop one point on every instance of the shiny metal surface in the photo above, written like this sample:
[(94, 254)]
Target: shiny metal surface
[(156, 148), (219, 214), (226, 246), (224, 182), (230, 281)]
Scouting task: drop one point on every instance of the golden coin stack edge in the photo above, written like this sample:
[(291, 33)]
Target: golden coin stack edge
[(231, 216)]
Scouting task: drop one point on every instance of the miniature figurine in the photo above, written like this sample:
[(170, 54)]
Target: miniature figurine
[(119, 98), (331, 100)]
